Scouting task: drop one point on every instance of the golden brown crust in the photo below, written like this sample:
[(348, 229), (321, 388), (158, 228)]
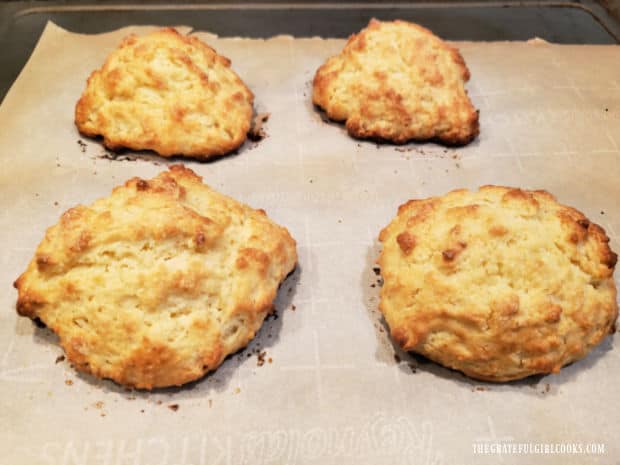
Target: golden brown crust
[(501, 284), (169, 93), (397, 81), (156, 284)]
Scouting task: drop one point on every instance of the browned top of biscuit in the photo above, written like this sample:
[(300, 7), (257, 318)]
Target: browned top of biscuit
[(156, 284), (169, 93), (397, 81), (500, 284)]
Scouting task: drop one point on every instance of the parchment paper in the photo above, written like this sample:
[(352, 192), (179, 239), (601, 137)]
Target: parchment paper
[(331, 390)]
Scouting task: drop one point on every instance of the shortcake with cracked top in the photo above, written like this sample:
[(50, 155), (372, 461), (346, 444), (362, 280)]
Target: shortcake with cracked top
[(396, 81), (169, 93), (499, 284), (156, 284)]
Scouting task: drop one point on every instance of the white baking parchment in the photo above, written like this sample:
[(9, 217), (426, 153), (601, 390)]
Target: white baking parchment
[(320, 384)]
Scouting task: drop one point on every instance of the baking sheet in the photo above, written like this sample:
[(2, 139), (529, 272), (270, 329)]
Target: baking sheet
[(331, 389)]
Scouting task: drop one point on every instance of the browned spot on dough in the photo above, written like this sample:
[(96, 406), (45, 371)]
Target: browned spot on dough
[(497, 230), (449, 254), (584, 223), (553, 313), (43, 260), (406, 241), (200, 239)]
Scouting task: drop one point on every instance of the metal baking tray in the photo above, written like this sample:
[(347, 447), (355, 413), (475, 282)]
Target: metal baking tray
[(587, 22)]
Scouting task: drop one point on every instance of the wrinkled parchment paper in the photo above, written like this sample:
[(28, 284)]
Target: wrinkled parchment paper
[(321, 383)]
